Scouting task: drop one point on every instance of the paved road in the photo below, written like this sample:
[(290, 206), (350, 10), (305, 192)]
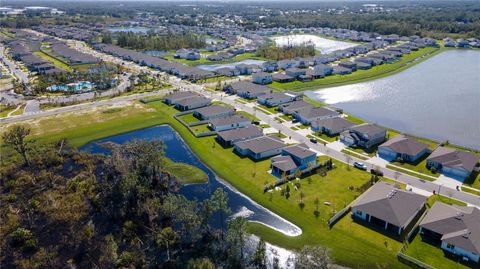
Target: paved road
[(14, 69)]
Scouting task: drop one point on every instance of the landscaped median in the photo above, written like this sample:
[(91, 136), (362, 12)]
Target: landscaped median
[(411, 173), (351, 244)]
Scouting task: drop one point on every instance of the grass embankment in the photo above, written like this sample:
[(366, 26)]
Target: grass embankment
[(352, 244), (375, 72), (185, 173)]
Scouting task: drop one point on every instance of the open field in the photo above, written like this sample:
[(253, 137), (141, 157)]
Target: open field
[(361, 75), (346, 238)]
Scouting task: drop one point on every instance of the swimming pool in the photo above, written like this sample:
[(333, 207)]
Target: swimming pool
[(80, 86)]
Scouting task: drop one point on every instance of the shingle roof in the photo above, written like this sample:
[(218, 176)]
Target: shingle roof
[(192, 100), (333, 123), (388, 203), (405, 145), (317, 112), (368, 128), (214, 110), (283, 163), (301, 151), (459, 226), (229, 120), (247, 132), (261, 144), (454, 158)]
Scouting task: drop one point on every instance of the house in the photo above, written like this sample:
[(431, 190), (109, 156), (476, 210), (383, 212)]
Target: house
[(305, 78), (213, 112), (277, 98), (290, 108), (282, 78), (173, 98), (286, 64), (269, 66), (294, 158), (244, 69), (227, 71), (402, 147), (452, 162), (331, 126), (314, 74), (306, 116), (325, 69), (247, 89), (364, 135), (228, 123), (363, 66), (339, 70), (350, 65), (455, 228), (388, 207), (229, 137), (260, 147), (295, 72), (262, 78), (192, 103)]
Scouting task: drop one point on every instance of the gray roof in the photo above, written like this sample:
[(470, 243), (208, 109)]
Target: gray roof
[(229, 120), (368, 128), (179, 95), (333, 123), (388, 203), (282, 76), (458, 225), (317, 112), (454, 158), (296, 105), (405, 145), (214, 110), (193, 100), (247, 132), (261, 144), (283, 163), (247, 86), (301, 151)]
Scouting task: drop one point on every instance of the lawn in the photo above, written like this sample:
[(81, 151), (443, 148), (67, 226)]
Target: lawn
[(409, 173), (351, 244), (361, 75), (200, 129), (54, 61), (4, 110), (188, 118), (354, 154), (272, 110), (326, 137), (419, 166)]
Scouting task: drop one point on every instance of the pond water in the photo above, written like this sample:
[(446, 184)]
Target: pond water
[(74, 87), (324, 45), (213, 67), (178, 151), (437, 99), (142, 30)]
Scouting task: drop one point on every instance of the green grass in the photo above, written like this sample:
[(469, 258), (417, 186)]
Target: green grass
[(188, 118), (409, 173), (248, 115), (476, 192), (200, 129), (326, 137), (264, 111), (360, 75), (446, 200), (4, 110), (419, 166), (351, 244), (185, 173), (54, 61), (264, 126), (272, 110), (354, 154)]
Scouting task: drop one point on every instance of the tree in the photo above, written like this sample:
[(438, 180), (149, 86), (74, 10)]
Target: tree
[(301, 203), (259, 258), (236, 238), (166, 238), (219, 201), (313, 257), (16, 138), (287, 192), (316, 212), (204, 263)]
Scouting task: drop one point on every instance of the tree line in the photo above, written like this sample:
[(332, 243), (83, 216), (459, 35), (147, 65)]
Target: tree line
[(151, 41), (67, 208), (287, 52)]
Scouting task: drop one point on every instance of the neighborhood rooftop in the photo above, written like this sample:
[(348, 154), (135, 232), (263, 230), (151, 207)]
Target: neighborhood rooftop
[(405, 145), (454, 158)]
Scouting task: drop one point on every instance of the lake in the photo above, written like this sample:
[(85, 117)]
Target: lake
[(437, 99), (213, 67), (178, 151), (324, 45)]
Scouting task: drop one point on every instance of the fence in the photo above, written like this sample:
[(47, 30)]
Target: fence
[(412, 262), (338, 216)]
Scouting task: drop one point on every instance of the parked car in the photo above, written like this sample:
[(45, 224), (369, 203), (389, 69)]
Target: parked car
[(254, 122), (360, 166), (295, 121), (313, 140)]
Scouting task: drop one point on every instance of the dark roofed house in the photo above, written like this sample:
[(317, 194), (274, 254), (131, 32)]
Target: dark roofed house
[(260, 147), (331, 126), (291, 107), (213, 112), (364, 135), (262, 78), (228, 123), (192, 103), (277, 98), (306, 116), (452, 162), (294, 158), (295, 72), (173, 98), (340, 70), (282, 78), (229, 137), (247, 89), (455, 228), (402, 147), (350, 65), (390, 208)]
